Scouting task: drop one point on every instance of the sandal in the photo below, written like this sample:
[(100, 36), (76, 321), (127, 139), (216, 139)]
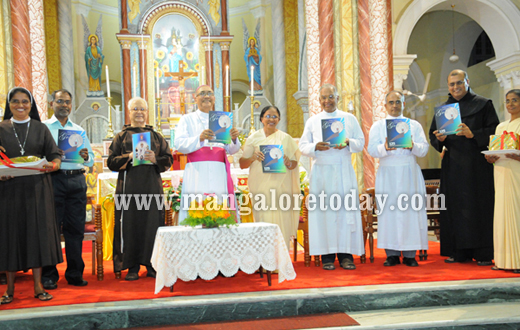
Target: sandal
[(329, 266), (6, 299), (44, 296), (348, 264), (516, 271)]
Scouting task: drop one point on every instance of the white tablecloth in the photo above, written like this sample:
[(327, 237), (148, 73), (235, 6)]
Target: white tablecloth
[(185, 252)]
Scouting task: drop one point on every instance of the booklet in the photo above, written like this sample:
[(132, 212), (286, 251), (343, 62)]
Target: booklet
[(447, 118), (398, 133), (333, 131), (273, 158), (220, 122), (141, 143), (71, 142)]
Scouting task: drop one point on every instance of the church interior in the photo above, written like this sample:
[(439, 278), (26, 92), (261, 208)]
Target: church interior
[(255, 53)]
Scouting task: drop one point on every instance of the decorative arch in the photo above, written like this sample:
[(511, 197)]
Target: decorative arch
[(500, 20)]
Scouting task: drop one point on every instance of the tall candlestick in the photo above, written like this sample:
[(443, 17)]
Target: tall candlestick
[(252, 80), (134, 71), (227, 80), (157, 91), (142, 67), (203, 76), (108, 82)]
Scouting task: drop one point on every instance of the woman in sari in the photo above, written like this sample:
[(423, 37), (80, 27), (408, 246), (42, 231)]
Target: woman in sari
[(264, 186)]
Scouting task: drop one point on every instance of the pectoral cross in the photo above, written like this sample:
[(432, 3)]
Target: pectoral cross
[(180, 76)]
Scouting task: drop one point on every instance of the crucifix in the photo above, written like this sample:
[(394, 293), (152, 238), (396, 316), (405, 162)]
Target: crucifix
[(180, 76)]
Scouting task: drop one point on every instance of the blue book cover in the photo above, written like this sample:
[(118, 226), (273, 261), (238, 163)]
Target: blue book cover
[(273, 158), (71, 142), (398, 133), (141, 143), (220, 122), (333, 131), (447, 118)]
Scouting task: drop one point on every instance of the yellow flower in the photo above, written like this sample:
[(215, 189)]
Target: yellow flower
[(160, 54), (189, 56), (155, 64), (197, 67), (165, 68)]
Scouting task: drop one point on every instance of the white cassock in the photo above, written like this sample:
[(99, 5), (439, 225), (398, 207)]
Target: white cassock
[(201, 177), (333, 231), (399, 173)]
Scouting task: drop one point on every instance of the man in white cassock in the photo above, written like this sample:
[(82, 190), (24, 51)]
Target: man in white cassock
[(334, 216), (403, 229), (207, 170)]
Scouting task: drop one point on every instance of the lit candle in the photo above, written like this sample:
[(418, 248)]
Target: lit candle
[(203, 76), (227, 80), (134, 71), (157, 87), (108, 82), (252, 80)]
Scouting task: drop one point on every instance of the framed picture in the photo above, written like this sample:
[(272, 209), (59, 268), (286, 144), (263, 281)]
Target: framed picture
[(106, 146), (105, 164)]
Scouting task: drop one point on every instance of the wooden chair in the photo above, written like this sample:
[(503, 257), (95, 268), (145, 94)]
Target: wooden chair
[(94, 233), (433, 216), (304, 226)]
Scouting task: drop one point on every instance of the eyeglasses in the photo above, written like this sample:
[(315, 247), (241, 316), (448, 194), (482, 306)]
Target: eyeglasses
[(60, 101), (139, 109), (206, 93), (24, 102), (271, 116), (458, 83), (509, 101), (395, 102), (330, 97)]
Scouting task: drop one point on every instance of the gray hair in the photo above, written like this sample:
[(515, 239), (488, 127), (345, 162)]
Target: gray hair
[(457, 72), (395, 91), (330, 86), (135, 99)]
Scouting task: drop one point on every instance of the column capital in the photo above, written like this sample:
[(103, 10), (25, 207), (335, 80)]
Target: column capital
[(224, 45), (125, 44), (142, 44), (401, 68)]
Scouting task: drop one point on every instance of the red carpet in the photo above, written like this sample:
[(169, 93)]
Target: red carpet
[(434, 269), (275, 323)]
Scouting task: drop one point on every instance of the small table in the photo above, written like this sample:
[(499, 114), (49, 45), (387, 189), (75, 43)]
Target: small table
[(185, 252)]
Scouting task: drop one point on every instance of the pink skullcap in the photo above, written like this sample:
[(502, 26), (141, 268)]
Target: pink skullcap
[(197, 90)]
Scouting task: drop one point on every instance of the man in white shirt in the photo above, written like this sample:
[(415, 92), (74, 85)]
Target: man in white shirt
[(70, 195), (400, 229), (331, 231), (207, 170)]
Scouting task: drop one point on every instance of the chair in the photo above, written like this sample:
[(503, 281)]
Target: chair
[(432, 213), (303, 225), (94, 233)]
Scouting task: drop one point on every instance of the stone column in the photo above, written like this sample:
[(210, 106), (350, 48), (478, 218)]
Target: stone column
[(224, 46), (313, 55), (22, 61), (143, 46), (127, 77), (124, 18), (401, 68), (280, 96), (39, 58), (208, 47), (295, 122), (326, 33), (507, 71), (66, 45), (223, 14)]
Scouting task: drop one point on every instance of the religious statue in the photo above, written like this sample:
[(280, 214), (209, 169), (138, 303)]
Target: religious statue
[(214, 7), (134, 9), (93, 58), (252, 55)]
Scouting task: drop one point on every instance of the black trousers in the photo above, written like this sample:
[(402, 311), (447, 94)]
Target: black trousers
[(329, 258), (70, 198)]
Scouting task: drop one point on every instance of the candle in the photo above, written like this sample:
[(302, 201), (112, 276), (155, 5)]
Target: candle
[(252, 80), (142, 64), (157, 82), (203, 77), (227, 80), (134, 71), (108, 82)]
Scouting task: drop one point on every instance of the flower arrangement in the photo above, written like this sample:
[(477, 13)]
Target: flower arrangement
[(173, 195), (209, 213)]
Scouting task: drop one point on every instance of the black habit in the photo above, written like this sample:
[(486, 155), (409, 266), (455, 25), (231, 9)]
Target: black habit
[(29, 237), (467, 183), (139, 226)]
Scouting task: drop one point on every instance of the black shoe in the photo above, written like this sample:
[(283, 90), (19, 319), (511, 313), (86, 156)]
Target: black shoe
[(151, 273), (50, 285), (485, 263), (411, 262), (392, 261), (132, 277), (79, 282), (3, 279)]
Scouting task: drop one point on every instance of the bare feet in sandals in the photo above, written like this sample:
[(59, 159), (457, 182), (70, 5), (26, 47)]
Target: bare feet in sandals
[(6, 299), (43, 296)]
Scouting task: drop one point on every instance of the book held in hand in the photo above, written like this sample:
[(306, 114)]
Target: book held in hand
[(141, 143), (273, 158), (447, 118), (333, 131), (71, 142), (220, 122), (398, 133)]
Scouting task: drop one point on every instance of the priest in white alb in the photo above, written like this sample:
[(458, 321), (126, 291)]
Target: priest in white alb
[(403, 229), (207, 170), (334, 223)]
